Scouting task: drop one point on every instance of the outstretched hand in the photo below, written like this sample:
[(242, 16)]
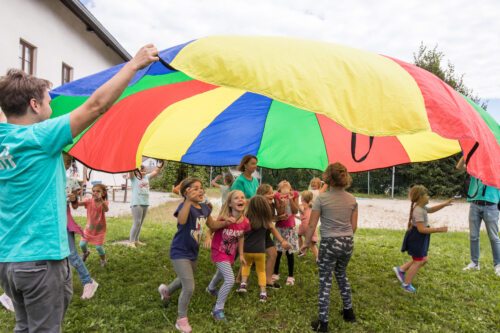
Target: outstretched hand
[(145, 56)]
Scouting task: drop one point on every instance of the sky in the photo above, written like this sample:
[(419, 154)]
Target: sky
[(467, 32)]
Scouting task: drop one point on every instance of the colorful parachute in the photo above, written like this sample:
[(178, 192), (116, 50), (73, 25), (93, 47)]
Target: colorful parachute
[(292, 103)]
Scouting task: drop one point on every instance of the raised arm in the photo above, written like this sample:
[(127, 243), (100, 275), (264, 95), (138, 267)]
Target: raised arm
[(104, 97), (214, 181)]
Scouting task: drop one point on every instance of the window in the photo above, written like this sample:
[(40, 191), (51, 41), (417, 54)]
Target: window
[(67, 73), (27, 53)]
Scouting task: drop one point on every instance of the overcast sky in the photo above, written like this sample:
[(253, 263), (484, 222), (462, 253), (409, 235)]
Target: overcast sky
[(467, 32)]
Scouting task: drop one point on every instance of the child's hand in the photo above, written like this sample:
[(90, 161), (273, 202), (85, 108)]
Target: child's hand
[(231, 220), (207, 243), (243, 261), (448, 202), (282, 217), (443, 229), (191, 194), (304, 248), (285, 245), (72, 197)]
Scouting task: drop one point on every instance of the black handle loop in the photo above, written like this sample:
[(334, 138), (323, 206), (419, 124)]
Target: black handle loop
[(138, 174), (353, 148), (471, 152)]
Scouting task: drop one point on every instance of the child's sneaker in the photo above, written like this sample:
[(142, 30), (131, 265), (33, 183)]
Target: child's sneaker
[(213, 292), (472, 267), (263, 297), (274, 285), (399, 274), (164, 295), (242, 288), (7, 302), (89, 290), (275, 277), (182, 325), (319, 326), (85, 256), (497, 270), (409, 288), (290, 281), (219, 315), (348, 315), (104, 262)]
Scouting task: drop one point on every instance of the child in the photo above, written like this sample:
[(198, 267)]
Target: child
[(338, 211), (224, 189), (417, 237), (191, 214), (260, 215), (316, 186), (267, 192), (286, 203), (227, 239), (72, 190), (305, 213), (95, 230)]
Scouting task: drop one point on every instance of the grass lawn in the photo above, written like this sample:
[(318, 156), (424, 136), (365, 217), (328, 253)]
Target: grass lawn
[(447, 300)]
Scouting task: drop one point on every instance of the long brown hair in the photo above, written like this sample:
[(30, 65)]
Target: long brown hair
[(259, 212), (415, 193)]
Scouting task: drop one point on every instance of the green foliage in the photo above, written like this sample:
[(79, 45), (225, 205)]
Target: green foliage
[(174, 172), (447, 300)]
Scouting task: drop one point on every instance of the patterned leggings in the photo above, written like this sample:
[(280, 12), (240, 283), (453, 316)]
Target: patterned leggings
[(334, 255), (224, 272)]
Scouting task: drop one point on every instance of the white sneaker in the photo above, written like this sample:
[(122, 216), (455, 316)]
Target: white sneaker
[(89, 290), (472, 266), (7, 302), (497, 270)]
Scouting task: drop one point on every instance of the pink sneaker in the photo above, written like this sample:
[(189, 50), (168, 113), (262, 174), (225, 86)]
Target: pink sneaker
[(182, 325), (290, 281), (89, 290)]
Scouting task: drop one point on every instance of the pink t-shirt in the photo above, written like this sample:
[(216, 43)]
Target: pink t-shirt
[(225, 241), (95, 230), (304, 223), (290, 222)]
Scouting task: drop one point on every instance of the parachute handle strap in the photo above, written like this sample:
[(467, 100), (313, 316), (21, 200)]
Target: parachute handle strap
[(353, 148)]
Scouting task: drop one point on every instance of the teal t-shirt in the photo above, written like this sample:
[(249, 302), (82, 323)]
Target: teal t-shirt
[(140, 191), (248, 187), (32, 186), (479, 191)]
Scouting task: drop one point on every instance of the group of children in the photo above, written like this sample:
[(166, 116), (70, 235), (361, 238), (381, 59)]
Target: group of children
[(240, 232)]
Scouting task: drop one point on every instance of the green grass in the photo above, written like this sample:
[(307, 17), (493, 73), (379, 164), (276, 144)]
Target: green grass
[(448, 300)]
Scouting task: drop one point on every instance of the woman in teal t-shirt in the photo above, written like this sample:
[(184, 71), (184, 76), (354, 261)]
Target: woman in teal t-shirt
[(245, 182)]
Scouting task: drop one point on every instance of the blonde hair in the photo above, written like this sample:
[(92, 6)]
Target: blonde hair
[(259, 212), (307, 197), (336, 175), (226, 210), (264, 189), (416, 192), (315, 180), (284, 183)]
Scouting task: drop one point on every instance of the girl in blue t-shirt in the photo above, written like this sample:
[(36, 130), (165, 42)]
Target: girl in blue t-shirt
[(417, 238), (192, 215)]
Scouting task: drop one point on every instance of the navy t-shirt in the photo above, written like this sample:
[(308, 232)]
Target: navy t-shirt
[(186, 242)]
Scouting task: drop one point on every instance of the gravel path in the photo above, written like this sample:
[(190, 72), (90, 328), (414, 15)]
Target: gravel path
[(373, 213)]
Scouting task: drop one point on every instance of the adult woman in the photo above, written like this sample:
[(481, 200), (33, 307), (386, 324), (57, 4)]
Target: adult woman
[(245, 182), (339, 218)]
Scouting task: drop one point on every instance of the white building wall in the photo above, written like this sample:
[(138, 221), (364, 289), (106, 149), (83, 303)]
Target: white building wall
[(58, 35)]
